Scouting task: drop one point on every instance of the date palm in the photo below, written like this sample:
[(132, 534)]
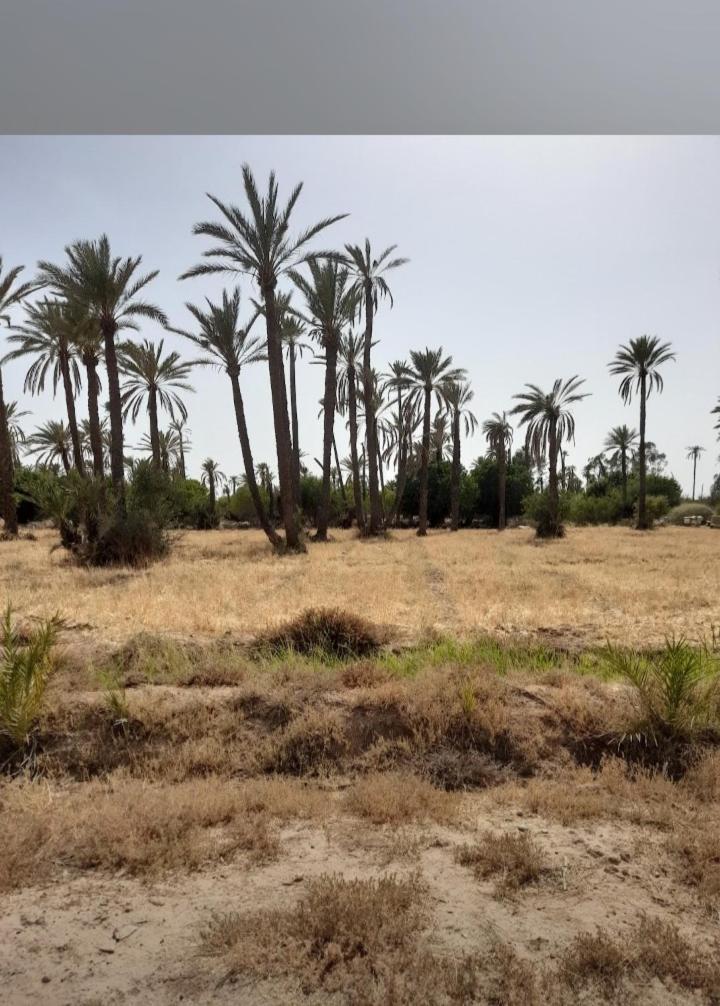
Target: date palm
[(88, 441), (51, 442), (13, 415), (429, 375), (293, 331), (350, 365), (329, 306), (458, 395), (88, 341), (179, 427), (693, 453), (713, 412), (212, 477), (168, 443), (620, 445), (549, 423), (371, 286), (108, 289), (230, 347), (638, 363), (499, 435), (155, 381), (259, 244), (47, 335)]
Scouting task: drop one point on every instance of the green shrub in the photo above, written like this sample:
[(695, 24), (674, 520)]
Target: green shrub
[(655, 507), (583, 509), (25, 667), (676, 515), (536, 508), (137, 539)]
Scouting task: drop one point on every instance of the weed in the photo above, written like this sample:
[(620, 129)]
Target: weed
[(26, 663)]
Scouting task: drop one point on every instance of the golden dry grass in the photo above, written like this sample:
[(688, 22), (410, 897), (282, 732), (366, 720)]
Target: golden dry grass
[(598, 583)]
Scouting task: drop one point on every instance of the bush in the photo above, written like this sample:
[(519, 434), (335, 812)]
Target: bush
[(137, 539), (25, 667), (324, 631), (676, 515), (536, 508), (655, 507), (584, 509)]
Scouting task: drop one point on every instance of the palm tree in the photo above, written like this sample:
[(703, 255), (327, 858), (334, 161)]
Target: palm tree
[(107, 288), (261, 245), (458, 395), (499, 434), (549, 423), (90, 451), (370, 287), (293, 330), (10, 296), (211, 477), (51, 442), (350, 359), (693, 453), (330, 304), (88, 340), (230, 347), (713, 412), (637, 364), (441, 436), (620, 443), (430, 373), (47, 335), (178, 426), (152, 380), (13, 415)]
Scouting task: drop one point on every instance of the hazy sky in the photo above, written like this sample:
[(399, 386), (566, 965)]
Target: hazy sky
[(531, 258)]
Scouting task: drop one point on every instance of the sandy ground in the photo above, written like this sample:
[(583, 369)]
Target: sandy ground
[(91, 940), (598, 583)]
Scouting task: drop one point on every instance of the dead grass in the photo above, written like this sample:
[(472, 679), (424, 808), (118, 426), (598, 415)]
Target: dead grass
[(322, 632), (598, 583), (514, 860), (398, 799)]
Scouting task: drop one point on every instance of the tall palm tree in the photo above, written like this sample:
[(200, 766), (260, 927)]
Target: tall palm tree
[(212, 477), (441, 435), (108, 289), (620, 445), (549, 424), (350, 360), (637, 364), (293, 330), (330, 304), (51, 442), (11, 295), (371, 286), (155, 381), (168, 444), (178, 426), (499, 434), (47, 336), (230, 347), (88, 438), (430, 373), (88, 340), (693, 453), (458, 395), (260, 244)]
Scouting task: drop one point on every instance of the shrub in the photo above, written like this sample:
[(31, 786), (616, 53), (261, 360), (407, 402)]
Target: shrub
[(536, 508), (516, 860), (676, 515), (678, 689), (655, 507), (25, 667), (326, 632), (136, 539), (583, 509)]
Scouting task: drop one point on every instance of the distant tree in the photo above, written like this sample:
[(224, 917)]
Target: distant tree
[(620, 445), (212, 477), (458, 395), (638, 363), (693, 453), (350, 363), (178, 426), (51, 442), (13, 415), (498, 434)]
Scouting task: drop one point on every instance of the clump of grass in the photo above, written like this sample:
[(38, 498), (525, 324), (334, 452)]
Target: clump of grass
[(392, 798), (698, 853), (331, 632), (594, 959), (312, 742), (678, 689), (26, 663), (516, 860)]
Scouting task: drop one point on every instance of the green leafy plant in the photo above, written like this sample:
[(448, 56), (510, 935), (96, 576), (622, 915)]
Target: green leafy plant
[(26, 663), (678, 689)]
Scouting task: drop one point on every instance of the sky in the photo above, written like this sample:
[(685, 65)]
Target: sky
[(531, 258)]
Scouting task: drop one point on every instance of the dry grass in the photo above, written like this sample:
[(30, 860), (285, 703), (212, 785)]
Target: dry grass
[(514, 860), (598, 583), (398, 799)]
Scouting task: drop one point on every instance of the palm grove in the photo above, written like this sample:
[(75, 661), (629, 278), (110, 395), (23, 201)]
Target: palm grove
[(71, 323)]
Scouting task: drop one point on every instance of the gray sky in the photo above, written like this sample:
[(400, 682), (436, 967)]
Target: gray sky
[(531, 258)]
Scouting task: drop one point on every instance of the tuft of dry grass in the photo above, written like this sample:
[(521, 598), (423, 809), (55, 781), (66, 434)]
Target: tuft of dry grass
[(311, 743), (515, 860), (322, 632), (397, 799), (594, 959)]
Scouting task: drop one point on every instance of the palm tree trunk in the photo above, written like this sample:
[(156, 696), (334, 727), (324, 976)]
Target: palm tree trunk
[(65, 461), (502, 480), (357, 488), (455, 475), (694, 471), (339, 471), (281, 421), (295, 429), (331, 353), (623, 473), (375, 523), (642, 516), (242, 429), (399, 487), (93, 388), (381, 475), (211, 488), (424, 464), (117, 464), (70, 406), (7, 500), (182, 455), (553, 497), (154, 429)]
